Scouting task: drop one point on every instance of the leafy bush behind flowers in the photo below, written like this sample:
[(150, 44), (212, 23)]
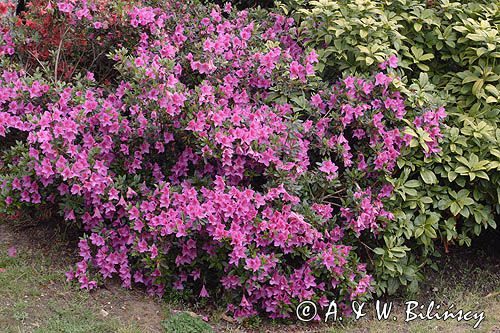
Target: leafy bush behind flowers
[(448, 55), (210, 158)]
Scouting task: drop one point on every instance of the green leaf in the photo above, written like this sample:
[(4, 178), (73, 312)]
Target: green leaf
[(417, 52), (392, 286), (423, 67), (412, 192), (491, 99), (428, 176), (452, 175), (469, 79), (477, 86), (419, 231), (462, 170), (483, 175), (328, 39), (426, 57), (414, 183), (455, 209), (426, 200), (430, 232)]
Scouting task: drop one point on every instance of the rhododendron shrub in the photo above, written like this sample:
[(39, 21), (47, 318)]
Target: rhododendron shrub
[(214, 163)]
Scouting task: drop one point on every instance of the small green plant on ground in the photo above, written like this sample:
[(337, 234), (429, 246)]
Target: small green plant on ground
[(186, 323)]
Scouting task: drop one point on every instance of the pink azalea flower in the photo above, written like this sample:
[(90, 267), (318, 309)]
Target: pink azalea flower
[(382, 80), (253, 264), (65, 7), (12, 251), (393, 61), (328, 167), (203, 292), (297, 71)]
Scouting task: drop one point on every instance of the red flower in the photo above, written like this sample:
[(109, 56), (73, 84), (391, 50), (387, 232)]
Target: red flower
[(3, 8)]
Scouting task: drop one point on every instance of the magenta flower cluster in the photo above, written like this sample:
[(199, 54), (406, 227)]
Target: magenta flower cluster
[(191, 171)]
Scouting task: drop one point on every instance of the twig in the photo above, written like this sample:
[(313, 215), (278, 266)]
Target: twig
[(493, 294), (77, 63), (58, 54), (366, 245), (57, 59), (39, 62)]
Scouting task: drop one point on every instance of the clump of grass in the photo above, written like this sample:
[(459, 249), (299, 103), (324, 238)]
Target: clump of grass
[(186, 323)]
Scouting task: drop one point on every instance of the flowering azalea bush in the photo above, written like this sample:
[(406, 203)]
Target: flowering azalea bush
[(209, 158)]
